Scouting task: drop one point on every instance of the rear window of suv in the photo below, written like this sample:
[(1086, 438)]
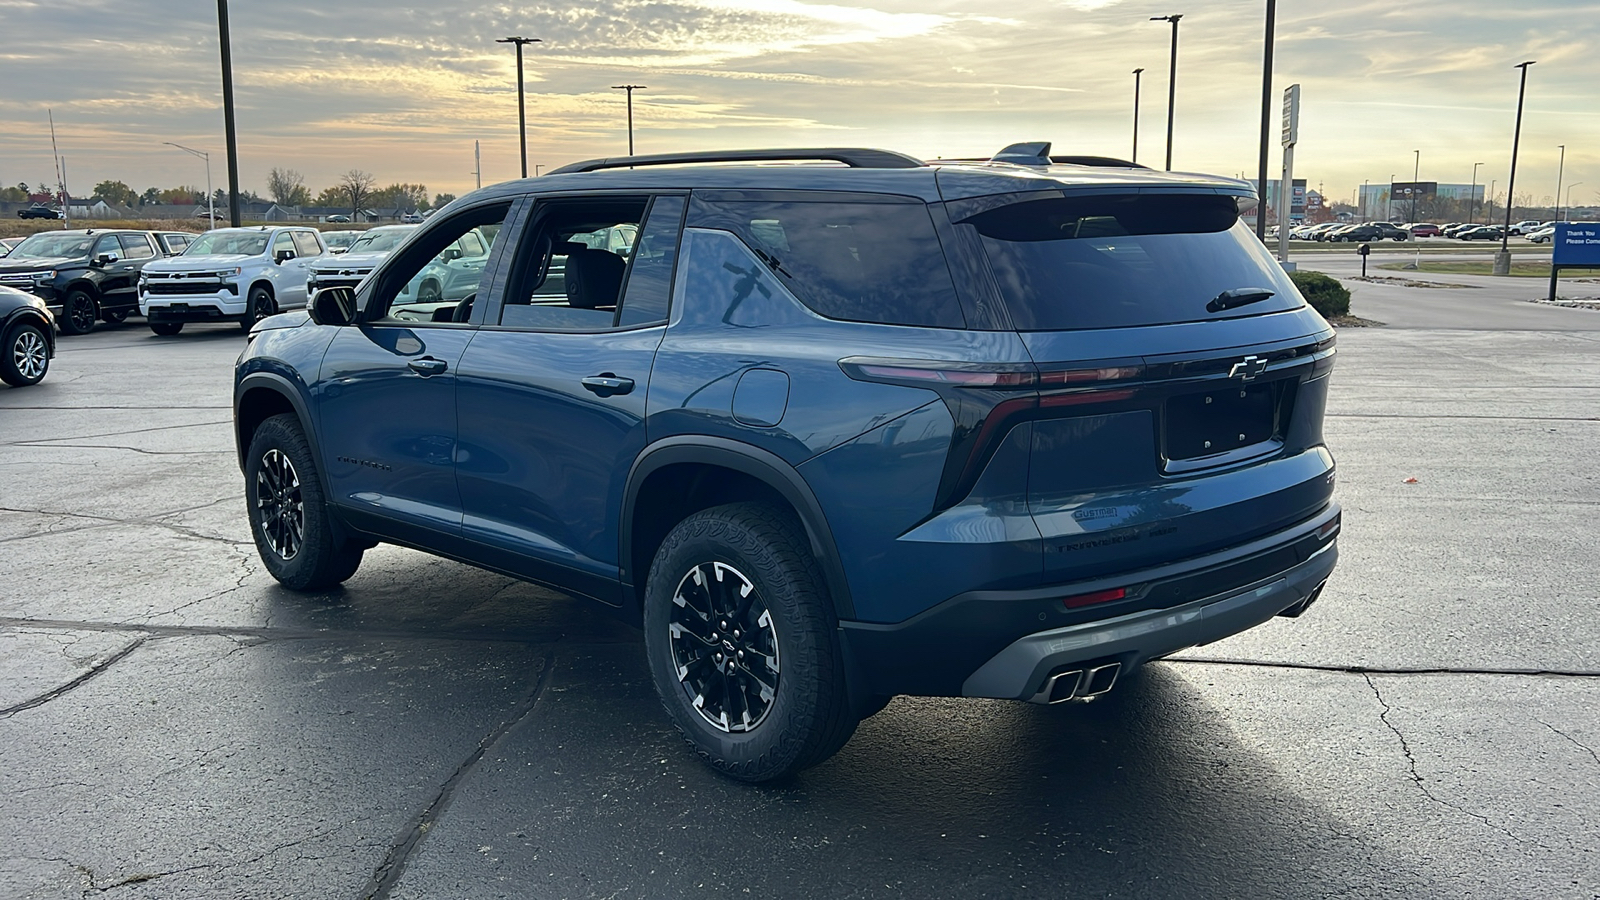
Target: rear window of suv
[(857, 261), (1117, 261)]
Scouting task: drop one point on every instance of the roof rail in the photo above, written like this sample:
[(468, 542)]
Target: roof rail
[(855, 157), (1037, 153), (1108, 162)]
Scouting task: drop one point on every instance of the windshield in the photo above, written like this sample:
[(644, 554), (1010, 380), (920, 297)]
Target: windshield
[(1126, 260), (228, 243), (379, 241), (48, 246)]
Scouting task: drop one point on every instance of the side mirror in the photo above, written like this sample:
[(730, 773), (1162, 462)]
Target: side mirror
[(104, 259), (334, 306), (452, 254)]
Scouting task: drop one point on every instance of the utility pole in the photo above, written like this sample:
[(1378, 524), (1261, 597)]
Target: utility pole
[(227, 113), (1266, 120), (1560, 171), (477, 163), (61, 173), (1136, 76), (1416, 172), (1472, 196), (522, 114), (1502, 262), (1172, 80), (630, 88)]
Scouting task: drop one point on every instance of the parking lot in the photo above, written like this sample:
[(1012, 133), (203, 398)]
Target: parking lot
[(174, 725)]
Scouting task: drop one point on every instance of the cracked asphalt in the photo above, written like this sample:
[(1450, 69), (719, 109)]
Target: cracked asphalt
[(174, 725)]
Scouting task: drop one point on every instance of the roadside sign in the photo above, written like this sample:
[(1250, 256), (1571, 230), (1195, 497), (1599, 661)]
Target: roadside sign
[(1576, 244), (1291, 115)]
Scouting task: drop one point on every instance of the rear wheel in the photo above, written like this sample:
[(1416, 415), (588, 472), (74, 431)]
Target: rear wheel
[(740, 639), (26, 356), (288, 515), (166, 329), (80, 312)]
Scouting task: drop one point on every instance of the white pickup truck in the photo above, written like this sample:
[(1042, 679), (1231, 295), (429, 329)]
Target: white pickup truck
[(230, 275)]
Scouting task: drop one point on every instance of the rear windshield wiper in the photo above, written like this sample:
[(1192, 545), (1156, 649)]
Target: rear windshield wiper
[(1238, 297)]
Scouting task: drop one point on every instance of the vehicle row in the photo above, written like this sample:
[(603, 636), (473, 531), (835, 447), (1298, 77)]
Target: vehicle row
[(89, 275)]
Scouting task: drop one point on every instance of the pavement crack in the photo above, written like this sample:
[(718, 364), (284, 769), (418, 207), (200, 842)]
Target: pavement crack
[(85, 437), (75, 683), (1575, 742), (44, 446), (387, 875), (1383, 670)]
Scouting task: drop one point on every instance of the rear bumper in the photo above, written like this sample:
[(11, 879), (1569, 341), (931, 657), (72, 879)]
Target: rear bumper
[(1005, 643)]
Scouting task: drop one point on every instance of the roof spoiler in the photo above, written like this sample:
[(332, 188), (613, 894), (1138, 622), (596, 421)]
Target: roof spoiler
[(855, 157), (1037, 153)]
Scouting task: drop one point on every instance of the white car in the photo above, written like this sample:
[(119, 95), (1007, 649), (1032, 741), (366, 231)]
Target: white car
[(229, 275), (1542, 235), (1526, 226), (356, 263)]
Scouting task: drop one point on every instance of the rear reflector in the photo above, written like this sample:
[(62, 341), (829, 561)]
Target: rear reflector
[(1329, 529), (1096, 597)]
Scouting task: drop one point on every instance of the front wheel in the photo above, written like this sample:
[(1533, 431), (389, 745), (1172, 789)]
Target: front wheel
[(288, 515), (80, 313), (261, 306), (27, 356), (166, 329), (740, 639)]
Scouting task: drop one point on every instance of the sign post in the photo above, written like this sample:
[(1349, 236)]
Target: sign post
[(1575, 245), (1291, 136)]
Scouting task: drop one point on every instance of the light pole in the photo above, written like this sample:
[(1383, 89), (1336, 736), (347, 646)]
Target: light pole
[(1172, 82), (1416, 172), (1488, 202), (1388, 208), (1569, 198), (1560, 171), (630, 88), (1502, 262), (522, 113), (1363, 198), (1136, 76), (211, 198), (1266, 122), (1472, 196), (227, 117)]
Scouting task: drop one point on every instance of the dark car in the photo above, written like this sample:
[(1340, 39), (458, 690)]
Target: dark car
[(6, 244), (38, 211), (82, 275), (27, 338), (1481, 233), (828, 433)]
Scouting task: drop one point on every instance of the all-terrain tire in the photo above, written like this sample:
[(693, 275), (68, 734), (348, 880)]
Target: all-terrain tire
[(808, 716), (288, 513)]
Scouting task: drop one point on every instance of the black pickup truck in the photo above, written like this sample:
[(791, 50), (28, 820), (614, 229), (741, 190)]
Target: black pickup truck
[(84, 275)]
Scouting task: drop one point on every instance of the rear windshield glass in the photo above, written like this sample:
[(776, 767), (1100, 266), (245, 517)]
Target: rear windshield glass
[(1119, 261), (862, 262), (379, 241)]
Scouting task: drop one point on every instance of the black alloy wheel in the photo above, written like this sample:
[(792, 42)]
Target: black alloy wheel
[(27, 356), (261, 306), (429, 292), (80, 313), (166, 329)]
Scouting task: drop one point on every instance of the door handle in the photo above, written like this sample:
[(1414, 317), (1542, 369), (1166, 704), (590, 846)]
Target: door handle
[(427, 365), (605, 384)]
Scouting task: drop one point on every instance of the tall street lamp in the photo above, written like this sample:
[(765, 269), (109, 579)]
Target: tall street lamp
[(1472, 196), (1266, 121), (227, 116), (630, 88), (1172, 81), (1502, 262), (1569, 198), (1488, 203), (1416, 172), (522, 113), (1388, 208), (211, 198), (1136, 76), (1560, 171)]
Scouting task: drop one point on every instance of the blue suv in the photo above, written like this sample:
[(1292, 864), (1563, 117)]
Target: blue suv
[(830, 430)]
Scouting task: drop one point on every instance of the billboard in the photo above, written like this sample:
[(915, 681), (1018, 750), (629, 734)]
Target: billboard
[(1576, 244)]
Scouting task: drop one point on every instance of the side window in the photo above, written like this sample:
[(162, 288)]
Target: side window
[(439, 276), (107, 246), (654, 254), (135, 246), (571, 268), (729, 285), (851, 260), (282, 243), (175, 242), (305, 244)]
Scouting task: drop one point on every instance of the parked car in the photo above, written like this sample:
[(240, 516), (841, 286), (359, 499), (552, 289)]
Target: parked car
[(38, 211), (27, 338), (6, 244), (1423, 229), (83, 276), (339, 219), (340, 241), (1525, 226), (1455, 229), (411, 218), (989, 430), (173, 243), (455, 273), (351, 267), (230, 275), (1481, 233), (1543, 235)]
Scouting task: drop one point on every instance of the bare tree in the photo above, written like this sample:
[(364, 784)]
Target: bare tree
[(287, 187), (356, 185)]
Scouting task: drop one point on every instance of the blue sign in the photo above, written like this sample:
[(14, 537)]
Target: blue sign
[(1576, 244)]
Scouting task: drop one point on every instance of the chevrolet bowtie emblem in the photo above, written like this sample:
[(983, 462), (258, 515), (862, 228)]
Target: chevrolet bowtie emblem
[(1248, 368)]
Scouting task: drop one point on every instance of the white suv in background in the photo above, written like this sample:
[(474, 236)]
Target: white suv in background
[(349, 268), (229, 275)]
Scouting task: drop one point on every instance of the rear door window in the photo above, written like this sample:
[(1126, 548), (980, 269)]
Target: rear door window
[(857, 261), (135, 246), (305, 244), (1126, 260)]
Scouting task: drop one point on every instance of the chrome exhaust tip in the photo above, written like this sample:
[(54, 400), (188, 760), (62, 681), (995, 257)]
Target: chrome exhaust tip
[(1099, 680), (1059, 688)]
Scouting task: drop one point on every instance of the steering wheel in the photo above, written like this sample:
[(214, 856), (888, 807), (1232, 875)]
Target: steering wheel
[(463, 310)]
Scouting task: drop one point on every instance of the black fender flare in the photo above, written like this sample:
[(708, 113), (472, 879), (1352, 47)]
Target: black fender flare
[(285, 388), (764, 466)]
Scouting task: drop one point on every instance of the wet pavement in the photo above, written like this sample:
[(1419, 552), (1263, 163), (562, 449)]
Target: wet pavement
[(174, 725)]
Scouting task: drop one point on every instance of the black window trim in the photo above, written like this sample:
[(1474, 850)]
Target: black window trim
[(516, 270)]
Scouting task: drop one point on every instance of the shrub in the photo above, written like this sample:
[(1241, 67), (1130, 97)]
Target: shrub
[(1325, 294)]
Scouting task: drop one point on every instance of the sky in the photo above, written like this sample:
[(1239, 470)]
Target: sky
[(403, 91)]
